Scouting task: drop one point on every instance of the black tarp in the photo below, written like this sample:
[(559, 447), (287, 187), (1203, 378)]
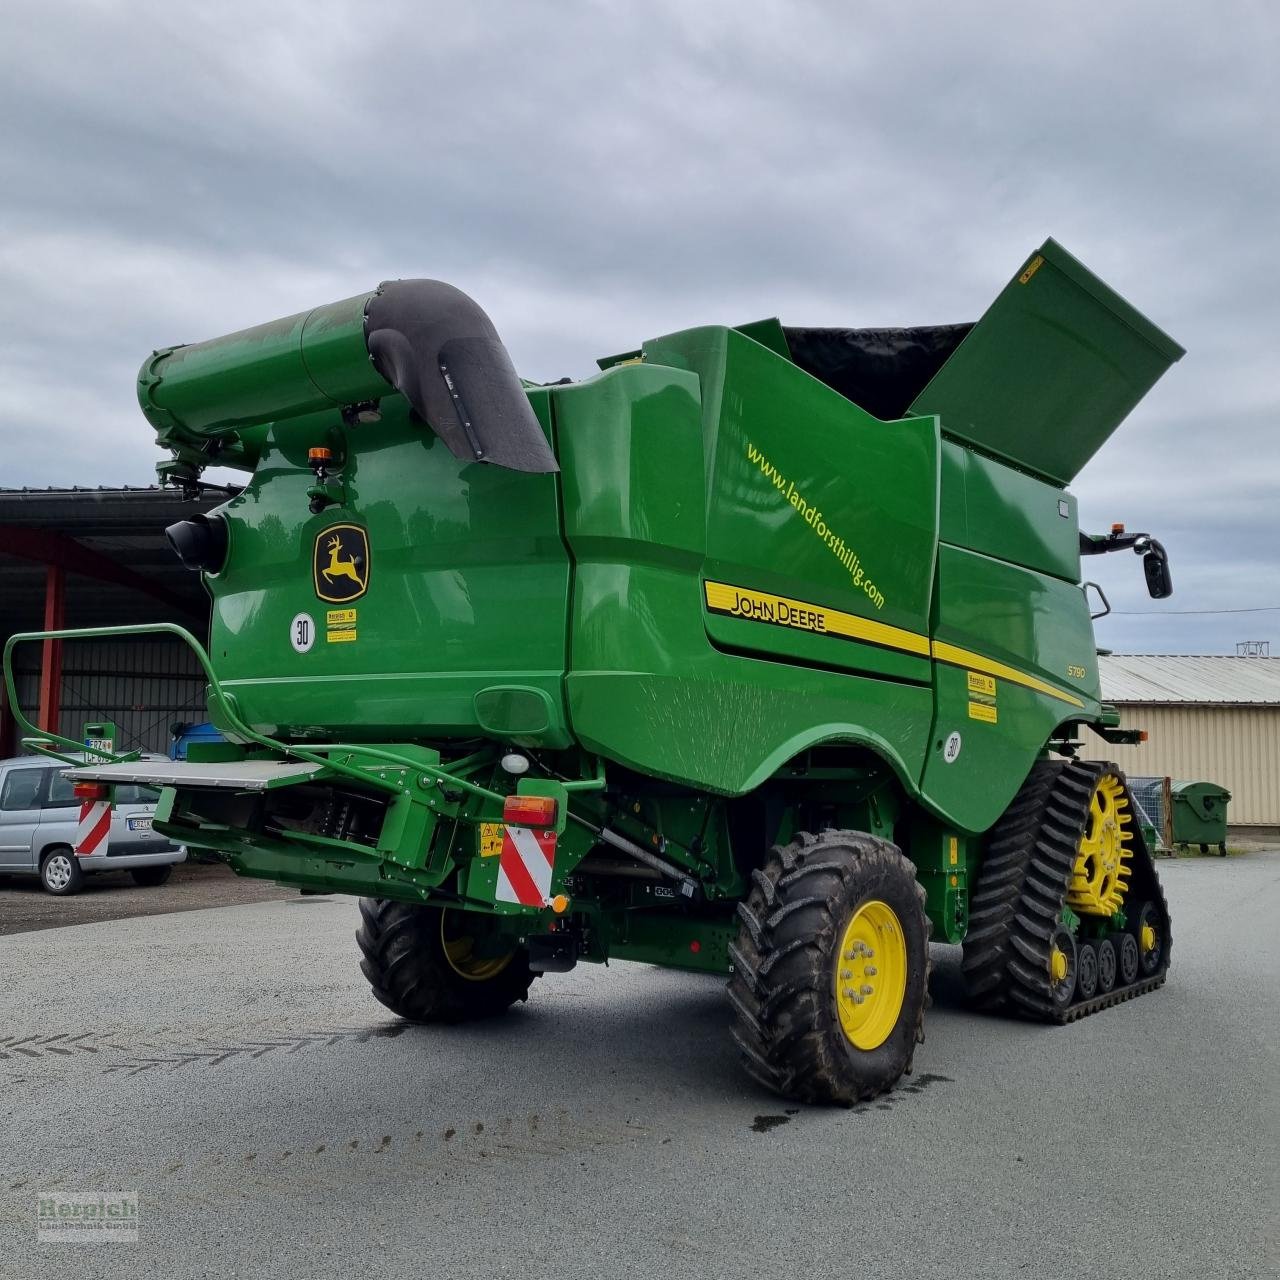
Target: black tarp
[(880, 370)]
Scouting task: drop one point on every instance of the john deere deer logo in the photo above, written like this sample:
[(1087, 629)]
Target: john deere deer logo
[(341, 563)]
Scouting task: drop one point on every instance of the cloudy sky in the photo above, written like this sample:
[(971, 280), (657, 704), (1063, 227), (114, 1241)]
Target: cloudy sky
[(598, 173)]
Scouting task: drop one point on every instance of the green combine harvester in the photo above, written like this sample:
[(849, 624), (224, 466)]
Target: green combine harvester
[(763, 652)]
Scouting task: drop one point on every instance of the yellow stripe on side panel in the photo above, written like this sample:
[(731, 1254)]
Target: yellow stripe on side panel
[(782, 611), (957, 657)]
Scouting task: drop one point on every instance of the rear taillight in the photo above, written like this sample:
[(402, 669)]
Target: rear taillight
[(91, 791), (530, 811)]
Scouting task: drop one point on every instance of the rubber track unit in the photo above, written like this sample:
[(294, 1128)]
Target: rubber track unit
[(1021, 888), (403, 958), (784, 1020)]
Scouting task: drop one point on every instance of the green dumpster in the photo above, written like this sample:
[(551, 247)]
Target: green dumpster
[(1200, 814)]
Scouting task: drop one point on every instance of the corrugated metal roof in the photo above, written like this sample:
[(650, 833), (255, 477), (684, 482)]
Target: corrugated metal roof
[(1159, 677)]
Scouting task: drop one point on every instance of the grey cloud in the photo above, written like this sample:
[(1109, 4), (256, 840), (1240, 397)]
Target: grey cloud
[(599, 173)]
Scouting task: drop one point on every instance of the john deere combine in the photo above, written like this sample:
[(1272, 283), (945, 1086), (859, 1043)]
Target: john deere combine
[(763, 652)]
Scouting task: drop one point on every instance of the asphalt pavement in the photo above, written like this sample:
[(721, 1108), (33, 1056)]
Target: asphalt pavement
[(112, 895), (230, 1067)]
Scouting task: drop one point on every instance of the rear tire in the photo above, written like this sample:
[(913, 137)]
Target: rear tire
[(409, 965), (830, 969), (60, 873), (151, 877)]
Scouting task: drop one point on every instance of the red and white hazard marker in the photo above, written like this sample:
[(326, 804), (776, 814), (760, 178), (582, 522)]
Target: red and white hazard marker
[(93, 830), (524, 870)]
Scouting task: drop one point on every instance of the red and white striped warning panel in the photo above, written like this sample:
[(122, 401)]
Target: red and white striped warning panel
[(94, 827), (524, 871)]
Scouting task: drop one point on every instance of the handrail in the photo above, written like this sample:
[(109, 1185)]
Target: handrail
[(230, 716)]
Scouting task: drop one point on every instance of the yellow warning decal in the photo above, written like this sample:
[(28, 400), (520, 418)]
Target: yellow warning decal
[(346, 636), (983, 711), (340, 617), (1032, 267), (978, 683), (490, 839), (954, 656), (782, 611), (953, 851)]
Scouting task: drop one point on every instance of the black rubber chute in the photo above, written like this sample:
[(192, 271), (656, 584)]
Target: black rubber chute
[(442, 353)]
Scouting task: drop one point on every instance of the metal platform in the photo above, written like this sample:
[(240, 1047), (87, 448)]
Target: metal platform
[(241, 775)]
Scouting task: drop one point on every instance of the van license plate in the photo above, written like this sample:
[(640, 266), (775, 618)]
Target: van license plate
[(139, 824)]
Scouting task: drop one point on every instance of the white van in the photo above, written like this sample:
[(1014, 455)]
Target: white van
[(38, 817)]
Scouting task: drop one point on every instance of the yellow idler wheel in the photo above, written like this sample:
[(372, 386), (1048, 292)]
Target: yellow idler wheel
[(871, 975), (1151, 942), (458, 941), (1063, 961), (1102, 868)]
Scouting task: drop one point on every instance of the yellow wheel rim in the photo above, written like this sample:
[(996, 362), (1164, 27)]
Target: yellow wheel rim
[(871, 975), (1101, 873), (1058, 964), (459, 943), (1147, 938)]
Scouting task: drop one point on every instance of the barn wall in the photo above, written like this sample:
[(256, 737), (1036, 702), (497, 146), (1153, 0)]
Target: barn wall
[(143, 685), (1236, 747)]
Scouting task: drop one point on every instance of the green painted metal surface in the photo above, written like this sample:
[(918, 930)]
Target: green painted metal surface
[(1051, 370), (742, 609), (464, 592), (301, 364)]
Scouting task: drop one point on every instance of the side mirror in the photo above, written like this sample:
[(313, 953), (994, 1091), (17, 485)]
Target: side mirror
[(1155, 567)]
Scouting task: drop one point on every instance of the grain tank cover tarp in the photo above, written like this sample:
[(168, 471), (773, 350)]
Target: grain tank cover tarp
[(442, 353), (880, 370), (1050, 371)]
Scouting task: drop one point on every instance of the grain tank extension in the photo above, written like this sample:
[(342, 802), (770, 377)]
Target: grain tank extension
[(762, 652)]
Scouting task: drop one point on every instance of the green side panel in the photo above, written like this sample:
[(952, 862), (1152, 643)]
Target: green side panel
[(768, 333), (1008, 514), (301, 364), (1038, 628), (466, 591), (1050, 371), (812, 499), (646, 687)]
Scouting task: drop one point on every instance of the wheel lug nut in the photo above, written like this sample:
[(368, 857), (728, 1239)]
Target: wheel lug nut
[(865, 989), (870, 971), (847, 974)]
